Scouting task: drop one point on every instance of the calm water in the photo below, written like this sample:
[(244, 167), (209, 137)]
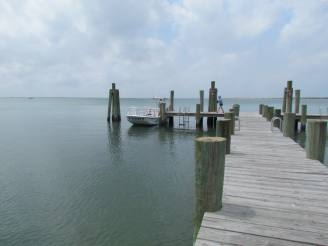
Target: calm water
[(67, 178)]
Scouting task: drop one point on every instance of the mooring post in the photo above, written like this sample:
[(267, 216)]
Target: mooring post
[(288, 124), (236, 108), (261, 109), (198, 119), (297, 101), (201, 101), (231, 116), (265, 111), (162, 113), (209, 175), (110, 93), (114, 111), (116, 115), (284, 100), (289, 100), (269, 115), (118, 105), (171, 108), (303, 117), (277, 113), (223, 130), (212, 105), (316, 135)]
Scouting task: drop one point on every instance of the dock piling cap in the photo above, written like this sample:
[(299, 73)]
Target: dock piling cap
[(210, 139)]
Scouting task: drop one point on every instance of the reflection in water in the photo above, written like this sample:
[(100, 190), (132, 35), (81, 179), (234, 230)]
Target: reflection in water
[(115, 141)]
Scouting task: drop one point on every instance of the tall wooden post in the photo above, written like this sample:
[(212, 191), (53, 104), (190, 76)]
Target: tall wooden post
[(316, 135), (171, 108), (231, 116), (201, 102), (289, 100), (198, 119), (223, 130), (261, 109), (288, 125), (162, 114), (265, 111), (284, 100), (269, 115), (114, 104), (297, 101), (212, 104), (110, 95), (209, 175), (236, 108), (303, 117)]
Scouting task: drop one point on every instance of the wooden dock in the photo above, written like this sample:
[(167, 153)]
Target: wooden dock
[(273, 195), (193, 114)]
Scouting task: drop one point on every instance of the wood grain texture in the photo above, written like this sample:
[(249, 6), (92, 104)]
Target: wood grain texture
[(273, 194)]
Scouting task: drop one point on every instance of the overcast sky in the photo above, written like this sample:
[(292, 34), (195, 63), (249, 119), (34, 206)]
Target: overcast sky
[(78, 48)]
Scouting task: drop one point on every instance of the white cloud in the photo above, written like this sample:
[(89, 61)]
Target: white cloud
[(78, 48)]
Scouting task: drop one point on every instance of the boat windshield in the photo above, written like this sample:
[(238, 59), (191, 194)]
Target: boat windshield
[(145, 111)]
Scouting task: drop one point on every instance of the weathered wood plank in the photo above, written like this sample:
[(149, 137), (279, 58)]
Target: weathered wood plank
[(273, 195)]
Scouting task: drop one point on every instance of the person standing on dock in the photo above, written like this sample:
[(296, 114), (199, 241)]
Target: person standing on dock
[(220, 102)]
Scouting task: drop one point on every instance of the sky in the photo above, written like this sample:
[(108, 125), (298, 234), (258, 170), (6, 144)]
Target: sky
[(77, 48)]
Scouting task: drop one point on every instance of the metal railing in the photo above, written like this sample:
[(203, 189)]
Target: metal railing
[(145, 111), (237, 119), (275, 119)]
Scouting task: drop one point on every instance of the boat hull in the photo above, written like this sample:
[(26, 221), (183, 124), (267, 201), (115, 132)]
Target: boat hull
[(143, 120)]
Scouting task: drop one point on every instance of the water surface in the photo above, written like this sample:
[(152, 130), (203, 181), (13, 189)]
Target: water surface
[(68, 178)]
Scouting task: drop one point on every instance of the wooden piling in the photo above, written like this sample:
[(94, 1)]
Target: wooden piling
[(198, 119), (236, 108), (265, 111), (269, 115), (297, 101), (288, 125), (284, 100), (303, 117), (212, 104), (289, 98), (277, 113), (116, 114), (162, 114), (171, 108), (261, 109), (201, 101), (223, 130), (210, 161), (209, 175), (110, 93), (114, 111), (316, 135), (231, 116)]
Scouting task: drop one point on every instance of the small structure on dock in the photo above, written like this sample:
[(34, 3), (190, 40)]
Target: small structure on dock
[(212, 114)]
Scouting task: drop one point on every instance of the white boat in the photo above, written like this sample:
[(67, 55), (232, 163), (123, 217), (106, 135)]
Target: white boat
[(143, 116)]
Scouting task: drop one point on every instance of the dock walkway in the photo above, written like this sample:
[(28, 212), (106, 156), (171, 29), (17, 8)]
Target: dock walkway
[(273, 194)]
